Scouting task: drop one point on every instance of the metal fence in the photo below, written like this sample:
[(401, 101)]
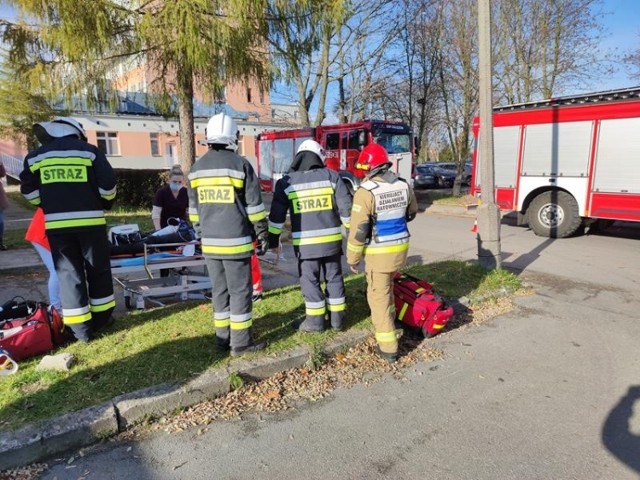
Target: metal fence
[(12, 165)]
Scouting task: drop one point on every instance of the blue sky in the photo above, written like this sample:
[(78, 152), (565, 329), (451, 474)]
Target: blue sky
[(622, 25), (622, 34)]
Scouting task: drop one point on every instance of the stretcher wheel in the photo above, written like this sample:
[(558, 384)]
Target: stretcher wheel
[(127, 302)]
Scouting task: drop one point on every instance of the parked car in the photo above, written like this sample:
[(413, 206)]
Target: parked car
[(424, 178), (447, 166), (444, 177), (466, 171), (467, 174)]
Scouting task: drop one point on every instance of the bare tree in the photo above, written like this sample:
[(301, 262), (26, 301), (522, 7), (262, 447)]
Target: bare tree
[(632, 60), (459, 76), (299, 37), (544, 46), (416, 96), (360, 48)]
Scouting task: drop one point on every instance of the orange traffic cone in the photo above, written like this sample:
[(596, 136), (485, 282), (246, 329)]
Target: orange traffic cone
[(474, 229)]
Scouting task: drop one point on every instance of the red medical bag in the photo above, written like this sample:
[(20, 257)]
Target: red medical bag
[(418, 306), (34, 333)]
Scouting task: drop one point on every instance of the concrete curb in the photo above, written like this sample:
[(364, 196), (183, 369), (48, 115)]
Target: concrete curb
[(262, 368), (41, 440)]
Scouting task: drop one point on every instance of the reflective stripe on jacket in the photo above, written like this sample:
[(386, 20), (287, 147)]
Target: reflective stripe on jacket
[(73, 182), (318, 203), (225, 199)]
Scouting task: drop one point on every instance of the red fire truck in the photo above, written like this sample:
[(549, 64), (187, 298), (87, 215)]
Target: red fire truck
[(343, 143), (566, 162)]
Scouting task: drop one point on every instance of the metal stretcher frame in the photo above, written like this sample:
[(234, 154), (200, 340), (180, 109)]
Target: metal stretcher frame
[(186, 286)]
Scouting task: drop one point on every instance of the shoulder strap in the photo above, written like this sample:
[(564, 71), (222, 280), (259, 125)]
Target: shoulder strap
[(369, 185)]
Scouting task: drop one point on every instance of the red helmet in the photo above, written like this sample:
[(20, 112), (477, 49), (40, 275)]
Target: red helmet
[(372, 157)]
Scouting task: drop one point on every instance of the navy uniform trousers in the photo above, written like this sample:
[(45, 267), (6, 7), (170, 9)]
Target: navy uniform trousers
[(317, 301)]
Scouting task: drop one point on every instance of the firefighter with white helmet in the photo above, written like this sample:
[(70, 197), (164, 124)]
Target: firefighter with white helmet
[(74, 183), (382, 206), (319, 204), (226, 207)]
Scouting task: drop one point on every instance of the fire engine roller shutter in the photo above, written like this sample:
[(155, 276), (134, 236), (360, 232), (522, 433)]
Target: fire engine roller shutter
[(506, 142), (548, 145), (618, 156)]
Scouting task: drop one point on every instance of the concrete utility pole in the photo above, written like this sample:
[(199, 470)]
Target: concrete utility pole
[(488, 216)]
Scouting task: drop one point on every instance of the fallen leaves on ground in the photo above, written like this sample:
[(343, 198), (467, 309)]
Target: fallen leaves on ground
[(32, 472), (282, 391)]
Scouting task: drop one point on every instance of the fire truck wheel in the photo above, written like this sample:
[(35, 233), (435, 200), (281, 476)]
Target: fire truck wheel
[(554, 214)]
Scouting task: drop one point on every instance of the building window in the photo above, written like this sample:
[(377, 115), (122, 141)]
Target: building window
[(155, 145), (108, 142), (240, 150), (248, 95)]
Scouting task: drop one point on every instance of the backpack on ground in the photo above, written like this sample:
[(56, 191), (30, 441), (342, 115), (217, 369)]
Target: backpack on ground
[(418, 306), (29, 328)]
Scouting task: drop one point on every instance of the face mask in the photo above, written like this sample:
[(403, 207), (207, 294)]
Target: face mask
[(175, 186)]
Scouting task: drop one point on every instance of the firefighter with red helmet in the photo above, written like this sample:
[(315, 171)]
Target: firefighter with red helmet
[(319, 204), (226, 208), (382, 206), (74, 183)]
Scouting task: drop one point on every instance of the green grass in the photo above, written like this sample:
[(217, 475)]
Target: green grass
[(174, 343), (18, 198), (14, 238), (440, 198)]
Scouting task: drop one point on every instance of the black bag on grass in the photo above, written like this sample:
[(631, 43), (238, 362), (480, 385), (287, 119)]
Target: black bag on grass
[(17, 307)]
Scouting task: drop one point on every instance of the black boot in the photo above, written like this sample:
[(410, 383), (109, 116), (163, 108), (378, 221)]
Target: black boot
[(304, 326), (388, 357), (222, 346), (253, 348)]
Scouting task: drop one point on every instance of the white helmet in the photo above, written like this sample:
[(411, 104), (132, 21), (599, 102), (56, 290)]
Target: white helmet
[(223, 130), (62, 127), (314, 147)]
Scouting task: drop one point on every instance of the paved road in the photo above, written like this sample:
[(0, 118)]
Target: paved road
[(545, 392)]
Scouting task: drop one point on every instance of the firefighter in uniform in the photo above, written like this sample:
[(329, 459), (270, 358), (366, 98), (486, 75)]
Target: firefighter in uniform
[(382, 206), (226, 207), (319, 203), (74, 183)]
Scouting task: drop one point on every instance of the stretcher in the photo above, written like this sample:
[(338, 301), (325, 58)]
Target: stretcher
[(140, 278)]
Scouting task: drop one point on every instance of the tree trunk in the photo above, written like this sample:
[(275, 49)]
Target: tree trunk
[(187, 152), (323, 75)]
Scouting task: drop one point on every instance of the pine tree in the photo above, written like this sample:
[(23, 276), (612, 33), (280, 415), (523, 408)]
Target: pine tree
[(190, 45)]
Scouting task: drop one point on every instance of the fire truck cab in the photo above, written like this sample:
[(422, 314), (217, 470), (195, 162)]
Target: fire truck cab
[(343, 143), (564, 163)]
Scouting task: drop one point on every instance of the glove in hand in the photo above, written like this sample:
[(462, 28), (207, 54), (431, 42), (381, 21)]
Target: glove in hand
[(197, 229), (263, 245)]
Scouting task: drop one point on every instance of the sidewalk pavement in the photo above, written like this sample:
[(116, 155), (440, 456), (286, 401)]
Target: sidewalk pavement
[(16, 216), (22, 274)]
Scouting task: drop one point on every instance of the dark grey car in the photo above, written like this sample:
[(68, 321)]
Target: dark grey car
[(466, 170), (425, 178), (444, 177)]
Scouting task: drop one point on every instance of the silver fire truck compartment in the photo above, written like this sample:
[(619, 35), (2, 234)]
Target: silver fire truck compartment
[(617, 166)]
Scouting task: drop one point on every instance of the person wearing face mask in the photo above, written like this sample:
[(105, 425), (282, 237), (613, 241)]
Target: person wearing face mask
[(171, 200)]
